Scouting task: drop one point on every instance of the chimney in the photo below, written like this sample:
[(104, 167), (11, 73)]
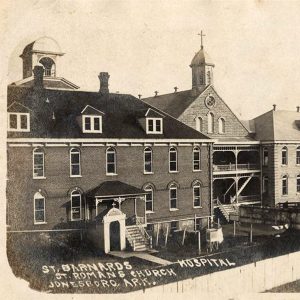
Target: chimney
[(156, 93), (140, 96), (298, 108), (274, 107), (175, 89), (103, 77), (38, 74)]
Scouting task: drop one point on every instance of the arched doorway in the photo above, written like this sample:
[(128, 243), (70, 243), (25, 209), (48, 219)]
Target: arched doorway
[(49, 66), (114, 232)]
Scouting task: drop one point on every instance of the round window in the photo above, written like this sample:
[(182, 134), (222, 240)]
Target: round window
[(210, 101)]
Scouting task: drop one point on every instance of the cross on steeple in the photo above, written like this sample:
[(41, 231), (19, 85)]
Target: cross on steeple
[(201, 35)]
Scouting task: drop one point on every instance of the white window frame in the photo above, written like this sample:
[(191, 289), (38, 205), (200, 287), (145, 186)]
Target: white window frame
[(198, 186), (78, 152), (285, 178), (284, 150), (298, 155), (111, 150), (173, 187), (19, 129), (265, 163), (199, 124), (148, 150), (154, 131), (148, 189), (34, 152), (80, 205), (92, 118), (221, 125), (176, 152), (38, 195), (196, 150)]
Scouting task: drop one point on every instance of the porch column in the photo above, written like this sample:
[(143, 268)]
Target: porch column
[(236, 188)]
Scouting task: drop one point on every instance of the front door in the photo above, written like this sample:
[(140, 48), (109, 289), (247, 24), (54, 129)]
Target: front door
[(114, 232)]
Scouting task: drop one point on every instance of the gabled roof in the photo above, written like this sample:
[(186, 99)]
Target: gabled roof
[(114, 189), (18, 107), (173, 104), (49, 82), (278, 125), (89, 110), (55, 114)]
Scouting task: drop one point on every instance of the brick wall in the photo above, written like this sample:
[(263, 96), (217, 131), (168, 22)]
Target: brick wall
[(58, 184), (233, 127)]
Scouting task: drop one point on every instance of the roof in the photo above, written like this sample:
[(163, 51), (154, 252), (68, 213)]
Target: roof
[(43, 45), (200, 58), (57, 114), (49, 82), (278, 125), (114, 189), (173, 104)]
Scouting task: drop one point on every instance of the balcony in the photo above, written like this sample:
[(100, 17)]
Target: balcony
[(235, 167)]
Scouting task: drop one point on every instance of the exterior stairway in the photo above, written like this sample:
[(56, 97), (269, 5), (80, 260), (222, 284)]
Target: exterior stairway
[(137, 239), (227, 210)]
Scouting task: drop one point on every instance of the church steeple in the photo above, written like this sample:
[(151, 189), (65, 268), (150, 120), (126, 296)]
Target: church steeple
[(202, 68)]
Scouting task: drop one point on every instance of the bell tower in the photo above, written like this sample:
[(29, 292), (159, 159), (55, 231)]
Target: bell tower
[(202, 69)]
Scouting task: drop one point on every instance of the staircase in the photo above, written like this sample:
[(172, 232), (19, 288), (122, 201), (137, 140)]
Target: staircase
[(227, 210), (137, 239)]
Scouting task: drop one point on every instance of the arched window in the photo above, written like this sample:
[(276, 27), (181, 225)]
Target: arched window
[(38, 163), (197, 195), (199, 124), (284, 156), (172, 159), (111, 167), (221, 125), (148, 160), (284, 185), (149, 198), (298, 156), (39, 208), (49, 66), (196, 159), (210, 122), (75, 206), (266, 185), (173, 196), (298, 184), (265, 157), (75, 169)]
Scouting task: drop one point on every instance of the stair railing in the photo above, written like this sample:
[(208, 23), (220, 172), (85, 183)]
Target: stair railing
[(130, 239), (223, 210), (144, 232)]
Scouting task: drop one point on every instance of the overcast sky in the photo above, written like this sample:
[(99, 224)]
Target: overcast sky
[(148, 45)]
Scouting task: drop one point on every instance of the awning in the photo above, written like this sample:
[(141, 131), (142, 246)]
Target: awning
[(113, 189)]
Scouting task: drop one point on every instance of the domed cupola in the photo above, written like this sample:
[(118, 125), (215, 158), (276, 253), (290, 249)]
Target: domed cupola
[(44, 51), (202, 69)]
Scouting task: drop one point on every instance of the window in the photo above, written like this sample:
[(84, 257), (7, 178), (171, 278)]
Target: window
[(173, 159), (196, 159), (39, 208), (284, 156), (149, 198), (148, 160), (173, 196), (197, 195), (18, 122), (266, 185), (75, 206), (111, 161), (298, 156), (298, 184), (265, 157), (221, 125), (199, 124), (92, 124), (284, 185), (154, 125), (38, 163), (75, 163), (198, 224), (210, 123)]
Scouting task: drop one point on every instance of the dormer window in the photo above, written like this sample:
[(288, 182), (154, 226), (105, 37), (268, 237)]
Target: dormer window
[(92, 124), (18, 122), (154, 125)]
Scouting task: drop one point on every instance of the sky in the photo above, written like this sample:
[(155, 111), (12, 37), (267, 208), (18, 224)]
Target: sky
[(148, 45)]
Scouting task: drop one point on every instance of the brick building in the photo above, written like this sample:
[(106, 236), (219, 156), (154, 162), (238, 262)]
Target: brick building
[(236, 152), (105, 162)]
